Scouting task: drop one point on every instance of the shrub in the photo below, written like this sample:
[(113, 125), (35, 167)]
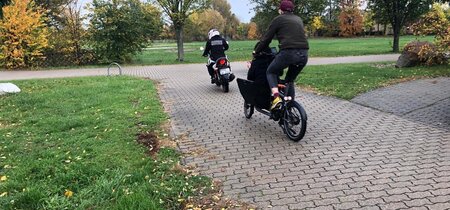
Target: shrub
[(426, 52), (434, 23), (121, 28), (23, 35), (69, 41)]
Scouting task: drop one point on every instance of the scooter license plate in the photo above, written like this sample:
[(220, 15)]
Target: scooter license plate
[(225, 71)]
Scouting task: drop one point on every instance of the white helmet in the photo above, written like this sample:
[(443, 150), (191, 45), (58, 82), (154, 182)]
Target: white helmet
[(213, 32)]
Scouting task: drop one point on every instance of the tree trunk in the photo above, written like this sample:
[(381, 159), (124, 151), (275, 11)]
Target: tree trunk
[(179, 37), (396, 26)]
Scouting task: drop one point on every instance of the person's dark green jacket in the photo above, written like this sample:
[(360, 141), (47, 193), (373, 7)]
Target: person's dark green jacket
[(289, 30)]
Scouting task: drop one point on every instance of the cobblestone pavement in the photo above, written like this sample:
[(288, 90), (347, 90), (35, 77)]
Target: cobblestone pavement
[(426, 101), (352, 156)]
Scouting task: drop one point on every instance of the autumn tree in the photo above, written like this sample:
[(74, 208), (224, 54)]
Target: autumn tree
[(69, 39), (242, 31), (316, 24), (252, 31), (398, 13), (232, 25), (231, 21), (200, 23), (54, 10), (350, 18), (266, 10), (330, 18), (121, 28), (434, 23), (263, 17), (2, 4), (368, 21), (447, 11), (178, 12), (23, 35)]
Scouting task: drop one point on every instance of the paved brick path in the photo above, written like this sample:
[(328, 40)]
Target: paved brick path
[(426, 101), (351, 157)]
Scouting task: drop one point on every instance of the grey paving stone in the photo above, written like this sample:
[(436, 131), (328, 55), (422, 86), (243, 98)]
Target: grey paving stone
[(425, 101)]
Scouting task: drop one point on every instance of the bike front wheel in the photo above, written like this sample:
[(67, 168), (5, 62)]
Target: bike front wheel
[(294, 121)]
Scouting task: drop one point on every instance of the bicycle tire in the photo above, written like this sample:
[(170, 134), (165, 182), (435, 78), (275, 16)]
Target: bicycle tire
[(291, 119)]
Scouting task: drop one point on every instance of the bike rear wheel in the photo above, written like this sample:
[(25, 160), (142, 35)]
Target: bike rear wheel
[(294, 121), (248, 110)]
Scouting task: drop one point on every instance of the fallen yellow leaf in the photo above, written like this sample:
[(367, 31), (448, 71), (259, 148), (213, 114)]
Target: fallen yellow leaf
[(4, 194), (68, 193), (3, 178)]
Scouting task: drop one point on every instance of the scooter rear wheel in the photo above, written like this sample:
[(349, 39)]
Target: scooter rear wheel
[(225, 87), (248, 110)]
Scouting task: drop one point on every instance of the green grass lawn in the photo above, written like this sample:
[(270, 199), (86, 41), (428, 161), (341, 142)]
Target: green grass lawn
[(166, 53), (63, 136), (348, 80)]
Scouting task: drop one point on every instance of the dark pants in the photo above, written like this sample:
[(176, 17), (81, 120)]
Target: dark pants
[(210, 69), (295, 60)]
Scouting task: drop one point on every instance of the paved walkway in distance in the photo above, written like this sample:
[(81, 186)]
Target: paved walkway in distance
[(17, 75), (352, 156)]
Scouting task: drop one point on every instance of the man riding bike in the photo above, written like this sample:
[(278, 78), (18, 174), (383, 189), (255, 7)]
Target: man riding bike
[(293, 46), (215, 48)]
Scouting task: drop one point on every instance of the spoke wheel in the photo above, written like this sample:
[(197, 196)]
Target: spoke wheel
[(294, 121)]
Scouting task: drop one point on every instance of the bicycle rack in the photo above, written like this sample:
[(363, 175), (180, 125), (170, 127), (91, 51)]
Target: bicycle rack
[(115, 64)]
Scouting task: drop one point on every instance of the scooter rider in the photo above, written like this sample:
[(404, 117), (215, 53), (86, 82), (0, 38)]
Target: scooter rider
[(293, 45), (215, 48)]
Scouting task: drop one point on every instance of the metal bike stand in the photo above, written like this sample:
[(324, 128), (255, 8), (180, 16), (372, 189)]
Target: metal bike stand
[(115, 64)]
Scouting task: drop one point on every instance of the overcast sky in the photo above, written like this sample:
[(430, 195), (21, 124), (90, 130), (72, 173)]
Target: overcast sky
[(241, 8)]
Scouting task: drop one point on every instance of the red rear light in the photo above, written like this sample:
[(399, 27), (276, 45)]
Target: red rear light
[(222, 62)]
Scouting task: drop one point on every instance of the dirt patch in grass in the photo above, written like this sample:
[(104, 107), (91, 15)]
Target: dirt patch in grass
[(150, 141), (215, 199), (383, 65)]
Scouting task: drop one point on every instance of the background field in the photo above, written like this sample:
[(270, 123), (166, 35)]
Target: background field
[(166, 53)]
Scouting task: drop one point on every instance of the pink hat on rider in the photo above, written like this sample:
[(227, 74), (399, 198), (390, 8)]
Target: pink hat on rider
[(287, 6)]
